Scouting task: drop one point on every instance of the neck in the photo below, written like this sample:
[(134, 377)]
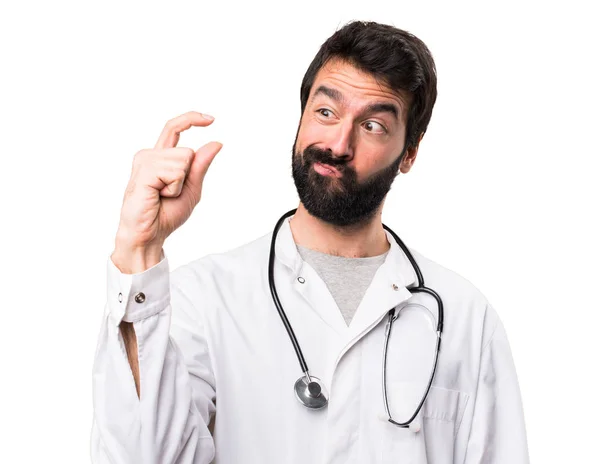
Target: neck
[(357, 241)]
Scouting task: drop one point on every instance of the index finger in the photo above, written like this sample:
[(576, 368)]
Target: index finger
[(170, 134)]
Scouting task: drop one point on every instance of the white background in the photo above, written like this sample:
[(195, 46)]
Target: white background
[(504, 190)]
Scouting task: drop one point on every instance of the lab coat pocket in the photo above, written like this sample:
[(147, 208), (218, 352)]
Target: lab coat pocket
[(437, 424), (442, 415)]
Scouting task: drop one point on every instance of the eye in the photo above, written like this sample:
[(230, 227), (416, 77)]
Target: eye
[(371, 126), (321, 110)]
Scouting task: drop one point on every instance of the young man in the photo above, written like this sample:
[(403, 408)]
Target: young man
[(218, 339)]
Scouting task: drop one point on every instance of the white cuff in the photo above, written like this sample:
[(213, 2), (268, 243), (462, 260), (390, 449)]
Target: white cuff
[(133, 297)]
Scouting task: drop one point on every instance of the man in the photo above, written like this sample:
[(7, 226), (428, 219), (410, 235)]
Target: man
[(206, 342)]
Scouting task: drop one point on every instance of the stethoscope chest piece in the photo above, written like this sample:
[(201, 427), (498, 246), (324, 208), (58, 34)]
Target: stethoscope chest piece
[(311, 394)]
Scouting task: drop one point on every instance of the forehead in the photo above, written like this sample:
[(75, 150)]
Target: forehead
[(356, 85)]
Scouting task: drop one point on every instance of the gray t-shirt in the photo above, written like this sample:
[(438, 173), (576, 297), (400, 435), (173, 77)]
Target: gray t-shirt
[(346, 278)]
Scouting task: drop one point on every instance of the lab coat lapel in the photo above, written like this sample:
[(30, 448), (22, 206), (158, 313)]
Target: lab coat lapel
[(387, 290), (307, 282)]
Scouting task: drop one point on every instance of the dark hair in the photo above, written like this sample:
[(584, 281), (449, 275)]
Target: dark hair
[(396, 57)]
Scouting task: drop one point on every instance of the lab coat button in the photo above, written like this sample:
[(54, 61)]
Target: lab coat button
[(394, 286), (301, 280), (140, 298), (120, 297)]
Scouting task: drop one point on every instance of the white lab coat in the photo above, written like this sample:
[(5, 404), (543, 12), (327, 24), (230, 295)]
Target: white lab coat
[(210, 340)]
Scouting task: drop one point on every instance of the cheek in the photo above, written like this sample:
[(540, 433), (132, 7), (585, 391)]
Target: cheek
[(309, 133), (368, 160), (369, 163)]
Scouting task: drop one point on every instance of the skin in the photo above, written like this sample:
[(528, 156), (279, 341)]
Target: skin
[(165, 186), (361, 141)]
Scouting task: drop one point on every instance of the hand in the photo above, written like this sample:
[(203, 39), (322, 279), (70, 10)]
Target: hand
[(164, 188)]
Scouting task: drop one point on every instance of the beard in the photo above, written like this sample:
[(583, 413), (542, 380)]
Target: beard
[(341, 201)]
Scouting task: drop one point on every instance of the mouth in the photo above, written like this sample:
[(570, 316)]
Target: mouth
[(326, 170)]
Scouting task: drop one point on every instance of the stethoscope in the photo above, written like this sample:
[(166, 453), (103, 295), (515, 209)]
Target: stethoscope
[(310, 390)]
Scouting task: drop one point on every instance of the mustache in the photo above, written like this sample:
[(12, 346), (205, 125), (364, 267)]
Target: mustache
[(316, 155)]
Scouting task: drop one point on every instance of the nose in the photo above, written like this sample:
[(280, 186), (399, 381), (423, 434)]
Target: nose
[(341, 141)]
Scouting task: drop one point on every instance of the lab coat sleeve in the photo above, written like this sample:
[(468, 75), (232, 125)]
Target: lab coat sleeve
[(168, 424), (497, 432)]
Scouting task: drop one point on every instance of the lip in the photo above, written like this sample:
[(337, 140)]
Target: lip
[(327, 170)]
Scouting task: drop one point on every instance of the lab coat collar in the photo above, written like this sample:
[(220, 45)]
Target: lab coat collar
[(387, 290)]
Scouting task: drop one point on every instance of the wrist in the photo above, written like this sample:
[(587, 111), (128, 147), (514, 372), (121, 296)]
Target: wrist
[(133, 260)]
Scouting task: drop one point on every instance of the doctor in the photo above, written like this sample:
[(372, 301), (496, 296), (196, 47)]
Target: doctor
[(200, 364)]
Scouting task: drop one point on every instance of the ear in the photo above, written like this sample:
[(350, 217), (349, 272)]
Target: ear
[(410, 157)]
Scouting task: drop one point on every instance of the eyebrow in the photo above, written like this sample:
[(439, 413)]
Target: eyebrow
[(377, 107)]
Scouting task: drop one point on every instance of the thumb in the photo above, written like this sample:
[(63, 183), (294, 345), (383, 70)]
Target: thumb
[(202, 160)]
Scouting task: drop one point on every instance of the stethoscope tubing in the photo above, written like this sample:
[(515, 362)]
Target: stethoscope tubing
[(388, 332), (282, 314), (420, 288), (420, 283)]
